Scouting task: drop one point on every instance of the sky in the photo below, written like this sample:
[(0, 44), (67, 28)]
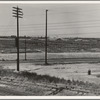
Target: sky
[(64, 20)]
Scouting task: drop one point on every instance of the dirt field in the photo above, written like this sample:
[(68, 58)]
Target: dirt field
[(70, 71), (74, 70), (12, 56), (66, 71), (32, 84)]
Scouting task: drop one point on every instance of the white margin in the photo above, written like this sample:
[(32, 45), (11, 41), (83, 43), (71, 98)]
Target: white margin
[(49, 97), (50, 2)]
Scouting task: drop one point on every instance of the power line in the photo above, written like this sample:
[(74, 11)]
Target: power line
[(65, 22), (49, 26), (55, 28), (53, 12), (90, 10), (42, 24), (68, 27)]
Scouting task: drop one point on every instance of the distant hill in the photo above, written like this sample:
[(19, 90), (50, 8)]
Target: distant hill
[(37, 44)]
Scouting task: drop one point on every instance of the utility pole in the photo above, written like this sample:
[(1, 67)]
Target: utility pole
[(46, 41), (25, 47), (17, 13)]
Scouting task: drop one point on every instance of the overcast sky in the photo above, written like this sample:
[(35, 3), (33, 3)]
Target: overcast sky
[(64, 20)]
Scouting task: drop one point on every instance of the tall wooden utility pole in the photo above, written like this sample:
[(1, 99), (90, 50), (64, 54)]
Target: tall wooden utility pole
[(46, 41), (25, 47), (17, 13)]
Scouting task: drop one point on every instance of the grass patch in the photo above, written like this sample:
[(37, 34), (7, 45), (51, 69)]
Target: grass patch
[(34, 77), (44, 78), (30, 76)]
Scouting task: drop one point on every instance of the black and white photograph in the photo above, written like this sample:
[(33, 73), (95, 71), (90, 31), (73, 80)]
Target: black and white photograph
[(49, 49)]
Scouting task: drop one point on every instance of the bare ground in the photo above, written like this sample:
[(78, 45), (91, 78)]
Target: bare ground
[(79, 83), (13, 84)]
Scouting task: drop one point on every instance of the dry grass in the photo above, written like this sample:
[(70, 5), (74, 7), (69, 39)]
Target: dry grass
[(30, 76), (34, 77)]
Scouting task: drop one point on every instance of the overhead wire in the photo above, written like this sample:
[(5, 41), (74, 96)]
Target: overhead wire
[(56, 25)]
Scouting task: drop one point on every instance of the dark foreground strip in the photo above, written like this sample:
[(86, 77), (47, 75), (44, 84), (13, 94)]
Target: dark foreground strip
[(54, 89), (7, 91)]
